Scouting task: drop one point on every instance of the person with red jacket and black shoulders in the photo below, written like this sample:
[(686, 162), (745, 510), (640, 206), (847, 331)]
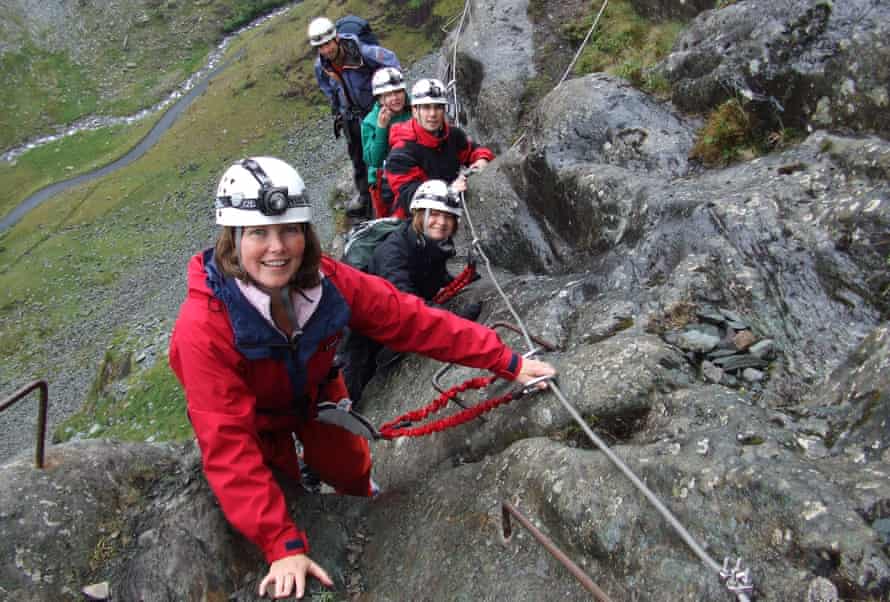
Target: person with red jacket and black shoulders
[(427, 147), (253, 347)]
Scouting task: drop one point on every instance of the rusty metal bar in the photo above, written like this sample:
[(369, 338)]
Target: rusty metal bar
[(542, 342), (41, 413), (507, 509), (438, 387)]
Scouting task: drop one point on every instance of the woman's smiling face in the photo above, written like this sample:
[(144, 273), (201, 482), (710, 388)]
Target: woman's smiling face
[(272, 254), (439, 225)]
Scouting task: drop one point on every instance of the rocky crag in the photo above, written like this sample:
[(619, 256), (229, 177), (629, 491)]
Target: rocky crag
[(723, 329)]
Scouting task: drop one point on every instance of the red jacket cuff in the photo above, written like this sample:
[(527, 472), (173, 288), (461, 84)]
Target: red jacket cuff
[(291, 543), (511, 367)]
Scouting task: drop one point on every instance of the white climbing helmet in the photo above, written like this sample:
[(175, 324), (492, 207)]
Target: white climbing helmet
[(434, 194), (321, 31), (428, 92), (387, 79), (259, 191)]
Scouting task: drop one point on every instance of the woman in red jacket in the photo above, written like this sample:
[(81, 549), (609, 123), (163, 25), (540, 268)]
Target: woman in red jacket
[(253, 347)]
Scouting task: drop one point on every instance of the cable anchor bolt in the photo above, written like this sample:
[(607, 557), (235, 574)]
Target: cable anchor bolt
[(737, 580)]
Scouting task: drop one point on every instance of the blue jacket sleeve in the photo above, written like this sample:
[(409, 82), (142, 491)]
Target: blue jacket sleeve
[(378, 56)]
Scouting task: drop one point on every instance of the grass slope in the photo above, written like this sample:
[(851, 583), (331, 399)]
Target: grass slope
[(56, 262)]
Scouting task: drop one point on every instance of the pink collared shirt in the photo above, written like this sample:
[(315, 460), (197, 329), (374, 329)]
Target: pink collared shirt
[(304, 301)]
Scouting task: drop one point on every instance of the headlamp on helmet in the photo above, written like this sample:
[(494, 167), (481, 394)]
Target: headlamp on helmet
[(436, 195), (428, 92), (387, 79), (261, 191)]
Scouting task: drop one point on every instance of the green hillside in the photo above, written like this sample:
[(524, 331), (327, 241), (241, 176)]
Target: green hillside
[(82, 241)]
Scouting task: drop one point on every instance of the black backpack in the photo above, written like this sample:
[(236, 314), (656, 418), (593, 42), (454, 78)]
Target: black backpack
[(358, 27), (363, 238)]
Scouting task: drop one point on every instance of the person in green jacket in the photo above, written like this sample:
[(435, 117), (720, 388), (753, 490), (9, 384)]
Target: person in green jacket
[(388, 87)]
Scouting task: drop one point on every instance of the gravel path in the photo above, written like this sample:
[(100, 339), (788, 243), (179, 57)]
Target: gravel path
[(147, 301)]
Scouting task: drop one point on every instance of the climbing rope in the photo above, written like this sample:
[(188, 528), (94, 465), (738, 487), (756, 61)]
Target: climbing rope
[(736, 580)]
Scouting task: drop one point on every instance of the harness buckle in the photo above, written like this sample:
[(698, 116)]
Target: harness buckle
[(341, 414)]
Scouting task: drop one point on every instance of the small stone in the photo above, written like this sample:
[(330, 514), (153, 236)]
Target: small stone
[(734, 320), (743, 339), (720, 353), (882, 528), (709, 314), (749, 438), (764, 349), (697, 340), (739, 362), (703, 446), (752, 375), (812, 447), (97, 591), (822, 590), (711, 372)]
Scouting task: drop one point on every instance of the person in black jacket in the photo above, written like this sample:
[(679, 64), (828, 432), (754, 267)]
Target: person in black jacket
[(414, 258)]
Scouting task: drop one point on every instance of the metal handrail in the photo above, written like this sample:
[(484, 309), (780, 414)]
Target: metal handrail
[(507, 509), (41, 413)]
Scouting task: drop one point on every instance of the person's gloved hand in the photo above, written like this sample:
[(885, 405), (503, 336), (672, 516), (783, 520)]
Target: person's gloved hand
[(338, 124), (470, 312)]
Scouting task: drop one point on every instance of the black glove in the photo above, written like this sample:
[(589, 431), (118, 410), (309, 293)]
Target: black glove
[(338, 124), (470, 312)]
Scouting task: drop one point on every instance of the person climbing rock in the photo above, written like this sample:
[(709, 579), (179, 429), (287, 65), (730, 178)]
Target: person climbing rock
[(253, 347)]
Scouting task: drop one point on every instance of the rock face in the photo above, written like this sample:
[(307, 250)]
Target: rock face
[(494, 47), (807, 64), (723, 331), (141, 520)]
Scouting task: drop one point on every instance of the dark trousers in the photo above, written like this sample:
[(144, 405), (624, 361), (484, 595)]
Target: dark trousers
[(359, 357), (353, 127)]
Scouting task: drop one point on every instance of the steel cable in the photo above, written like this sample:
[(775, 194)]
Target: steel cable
[(737, 581)]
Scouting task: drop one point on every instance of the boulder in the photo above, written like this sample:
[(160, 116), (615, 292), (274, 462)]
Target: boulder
[(805, 64)]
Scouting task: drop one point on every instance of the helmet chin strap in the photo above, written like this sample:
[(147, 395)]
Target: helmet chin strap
[(287, 301), (426, 222), (239, 232)]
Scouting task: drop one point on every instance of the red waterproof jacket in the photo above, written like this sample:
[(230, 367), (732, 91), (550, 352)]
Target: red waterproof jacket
[(248, 388), (417, 155)]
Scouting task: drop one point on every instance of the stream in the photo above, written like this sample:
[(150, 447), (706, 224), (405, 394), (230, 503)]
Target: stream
[(178, 101)]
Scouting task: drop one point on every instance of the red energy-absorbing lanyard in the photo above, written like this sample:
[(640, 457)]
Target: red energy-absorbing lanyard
[(455, 286), (394, 428)]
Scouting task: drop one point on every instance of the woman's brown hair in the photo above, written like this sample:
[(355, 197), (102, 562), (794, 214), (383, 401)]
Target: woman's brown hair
[(307, 276)]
